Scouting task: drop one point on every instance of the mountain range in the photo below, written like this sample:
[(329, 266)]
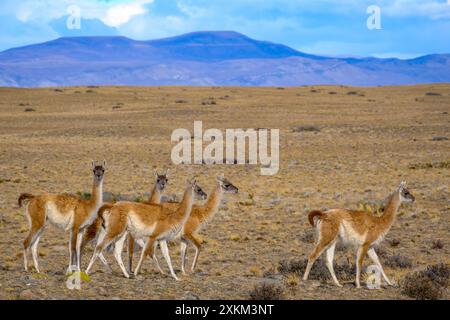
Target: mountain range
[(214, 58)]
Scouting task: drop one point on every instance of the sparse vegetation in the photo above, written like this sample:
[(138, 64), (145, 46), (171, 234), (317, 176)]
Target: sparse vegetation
[(319, 271), (437, 244), (439, 138), (430, 165), (428, 284), (398, 262), (84, 195), (29, 110), (363, 150), (394, 242), (306, 128), (209, 101), (266, 291), (432, 94), (308, 237)]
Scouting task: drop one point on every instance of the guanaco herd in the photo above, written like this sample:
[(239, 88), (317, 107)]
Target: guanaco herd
[(153, 222)]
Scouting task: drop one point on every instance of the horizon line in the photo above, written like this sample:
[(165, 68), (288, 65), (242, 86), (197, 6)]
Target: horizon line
[(340, 56)]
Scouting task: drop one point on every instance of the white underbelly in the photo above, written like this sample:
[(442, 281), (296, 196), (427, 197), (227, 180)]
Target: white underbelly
[(137, 228), (56, 217), (349, 235)]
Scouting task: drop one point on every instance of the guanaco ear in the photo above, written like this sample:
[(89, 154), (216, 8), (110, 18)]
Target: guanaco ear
[(167, 173), (93, 164), (221, 177), (155, 172), (104, 164), (402, 185)]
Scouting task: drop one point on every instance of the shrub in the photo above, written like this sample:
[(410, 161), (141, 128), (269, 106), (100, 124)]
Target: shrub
[(428, 284), (308, 237), (439, 273), (398, 262), (267, 291), (84, 195), (307, 128), (319, 270), (394, 242), (418, 286), (437, 244), (432, 94), (29, 110), (439, 138)]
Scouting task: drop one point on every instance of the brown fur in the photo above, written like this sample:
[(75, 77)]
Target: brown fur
[(314, 214), (24, 197), (360, 228), (200, 215), (124, 217), (66, 211)]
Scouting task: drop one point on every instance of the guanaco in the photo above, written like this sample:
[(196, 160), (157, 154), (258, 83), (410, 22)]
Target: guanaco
[(200, 216), (155, 197), (66, 211), (359, 228), (156, 222)]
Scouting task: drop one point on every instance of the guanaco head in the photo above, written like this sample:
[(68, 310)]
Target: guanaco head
[(198, 192), (226, 185), (405, 195), (98, 170), (161, 179)]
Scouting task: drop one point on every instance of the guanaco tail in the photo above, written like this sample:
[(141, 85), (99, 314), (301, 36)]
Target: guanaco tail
[(200, 215), (358, 228), (68, 212), (155, 222)]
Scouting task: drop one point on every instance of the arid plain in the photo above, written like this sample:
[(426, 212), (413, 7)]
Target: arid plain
[(339, 147)]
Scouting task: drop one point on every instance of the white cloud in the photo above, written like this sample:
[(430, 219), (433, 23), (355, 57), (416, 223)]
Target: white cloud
[(122, 13), (419, 8)]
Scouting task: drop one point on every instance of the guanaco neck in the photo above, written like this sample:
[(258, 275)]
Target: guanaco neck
[(155, 196), (212, 204), (97, 194), (390, 212), (185, 208)]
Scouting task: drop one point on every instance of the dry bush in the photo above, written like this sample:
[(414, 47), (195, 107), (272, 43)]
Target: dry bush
[(428, 284), (439, 138), (267, 291), (308, 237), (394, 242), (398, 262), (439, 273), (307, 128), (319, 270), (437, 244)]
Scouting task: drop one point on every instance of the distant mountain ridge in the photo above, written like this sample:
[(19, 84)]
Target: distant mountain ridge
[(202, 58)]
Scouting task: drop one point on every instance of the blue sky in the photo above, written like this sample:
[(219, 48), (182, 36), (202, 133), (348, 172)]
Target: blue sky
[(409, 28)]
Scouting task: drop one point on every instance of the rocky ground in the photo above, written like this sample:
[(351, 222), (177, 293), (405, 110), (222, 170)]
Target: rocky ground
[(340, 147)]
